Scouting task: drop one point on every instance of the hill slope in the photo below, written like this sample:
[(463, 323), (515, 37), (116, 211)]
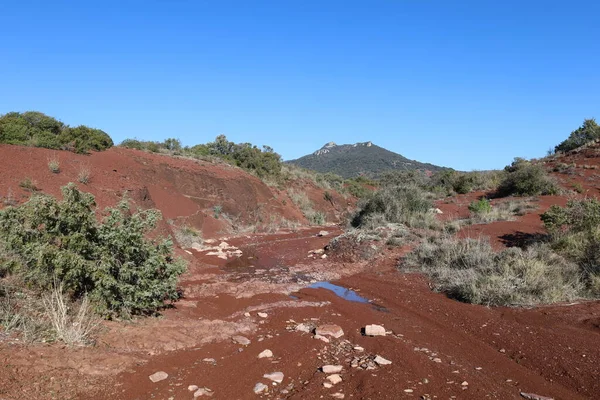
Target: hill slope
[(350, 160)]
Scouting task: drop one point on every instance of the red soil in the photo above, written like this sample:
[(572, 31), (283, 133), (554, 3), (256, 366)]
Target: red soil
[(550, 350)]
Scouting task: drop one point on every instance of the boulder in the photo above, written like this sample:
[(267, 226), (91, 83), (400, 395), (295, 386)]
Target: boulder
[(330, 330), (374, 330)]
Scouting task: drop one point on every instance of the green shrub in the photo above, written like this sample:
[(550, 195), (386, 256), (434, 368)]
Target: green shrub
[(470, 271), (481, 206), (33, 128), (122, 271), (587, 132), (524, 178)]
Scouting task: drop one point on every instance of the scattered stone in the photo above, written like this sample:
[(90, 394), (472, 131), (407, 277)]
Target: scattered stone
[(437, 360), (330, 330), (260, 387), (408, 390), (323, 233), (244, 341), (425, 381), (274, 376), (192, 388), (502, 351), (359, 348), (332, 369), (328, 385), (203, 392), (246, 314), (318, 251), (435, 211), (265, 354), (338, 395), (263, 315), (324, 256), (374, 330), (382, 361), (303, 328), (533, 396), (209, 360), (335, 379), (323, 338), (465, 383), (158, 376)]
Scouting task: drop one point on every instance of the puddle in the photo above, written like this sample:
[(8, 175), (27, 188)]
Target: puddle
[(340, 291)]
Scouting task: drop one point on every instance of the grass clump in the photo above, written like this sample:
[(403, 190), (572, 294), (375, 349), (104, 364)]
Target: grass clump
[(483, 212), (408, 205), (54, 164), (470, 271), (122, 271), (84, 175), (524, 178), (29, 184)]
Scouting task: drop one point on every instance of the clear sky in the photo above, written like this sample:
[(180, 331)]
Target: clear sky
[(465, 84)]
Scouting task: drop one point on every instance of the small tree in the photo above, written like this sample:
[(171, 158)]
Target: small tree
[(587, 132)]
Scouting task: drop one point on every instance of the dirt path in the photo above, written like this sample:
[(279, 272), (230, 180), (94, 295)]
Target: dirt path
[(439, 348)]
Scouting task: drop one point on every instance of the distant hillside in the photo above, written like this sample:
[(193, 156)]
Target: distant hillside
[(350, 160)]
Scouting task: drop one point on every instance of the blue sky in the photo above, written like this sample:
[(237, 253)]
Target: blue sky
[(465, 84)]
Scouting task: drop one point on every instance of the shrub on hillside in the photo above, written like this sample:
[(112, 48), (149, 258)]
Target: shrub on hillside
[(587, 132), (470, 271), (523, 178), (480, 206), (33, 128), (407, 205), (122, 271), (575, 231)]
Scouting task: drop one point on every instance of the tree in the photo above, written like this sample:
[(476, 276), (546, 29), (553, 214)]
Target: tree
[(587, 132)]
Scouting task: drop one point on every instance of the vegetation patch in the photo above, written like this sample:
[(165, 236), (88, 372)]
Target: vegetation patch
[(586, 133), (111, 261), (524, 178), (469, 270), (36, 129)]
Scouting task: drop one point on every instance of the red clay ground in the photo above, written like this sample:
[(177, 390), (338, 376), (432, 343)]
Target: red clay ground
[(439, 348)]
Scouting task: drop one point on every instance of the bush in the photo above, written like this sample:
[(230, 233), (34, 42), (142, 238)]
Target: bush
[(470, 271), (524, 178), (112, 261), (587, 132), (481, 206), (407, 205), (33, 128)]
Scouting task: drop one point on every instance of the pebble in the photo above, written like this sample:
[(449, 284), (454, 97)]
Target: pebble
[(465, 383), (203, 392), (332, 369), (408, 390), (265, 354), (330, 330), (260, 387), (338, 395), (209, 360), (323, 338), (374, 330), (244, 341), (437, 360), (274, 376), (158, 376), (303, 328), (335, 379), (328, 385), (533, 396), (192, 388), (382, 361), (263, 315)]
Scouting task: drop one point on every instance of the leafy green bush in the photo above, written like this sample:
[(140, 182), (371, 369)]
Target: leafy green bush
[(481, 206), (122, 271), (407, 205), (33, 128), (470, 271), (524, 178), (587, 132)]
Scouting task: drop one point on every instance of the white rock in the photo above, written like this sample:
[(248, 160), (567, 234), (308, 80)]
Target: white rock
[(158, 376), (323, 233), (338, 395), (382, 361), (332, 369), (263, 315), (374, 330), (328, 385), (359, 348), (274, 376), (203, 392), (244, 341), (192, 388), (265, 354), (323, 338), (335, 379), (303, 328), (246, 314), (330, 330), (324, 256), (260, 387)]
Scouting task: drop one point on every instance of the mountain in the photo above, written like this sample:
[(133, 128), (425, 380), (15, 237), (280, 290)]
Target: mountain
[(350, 160)]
